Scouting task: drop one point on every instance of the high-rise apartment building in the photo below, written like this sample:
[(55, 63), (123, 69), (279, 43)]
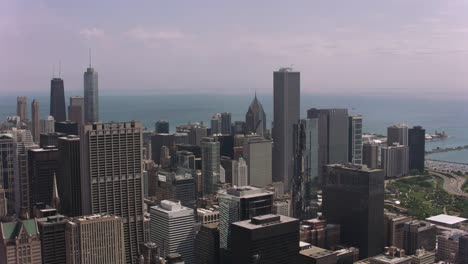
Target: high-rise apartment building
[(43, 165), (57, 100), (22, 107), (286, 110), (91, 96), (258, 156), (36, 126), (370, 155), (240, 173), (416, 145), (52, 233), (76, 110), (172, 229), (333, 136), (70, 180), (161, 126), (255, 118), (353, 196), (226, 124), (238, 204), (93, 239), (306, 169), (47, 125), (394, 160), (20, 242), (210, 165), (355, 139), (397, 134), (419, 234), (112, 179), (266, 239)]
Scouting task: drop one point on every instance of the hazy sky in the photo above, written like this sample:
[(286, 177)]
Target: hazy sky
[(390, 47)]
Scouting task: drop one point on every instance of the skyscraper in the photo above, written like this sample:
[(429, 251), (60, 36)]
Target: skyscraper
[(36, 126), (210, 165), (67, 127), (91, 96), (416, 145), (397, 134), (419, 234), (353, 196), (266, 239), (332, 135), (3, 203), (257, 155), (216, 124), (207, 244), (57, 100), (463, 249), (226, 124), (70, 182), (370, 155), (306, 170), (76, 110), (286, 104), (95, 238), (255, 118), (172, 229), (52, 233), (394, 160), (355, 139), (22, 107), (162, 126), (7, 168), (159, 140), (117, 146), (238, 204), (47, 125), (240, 173)]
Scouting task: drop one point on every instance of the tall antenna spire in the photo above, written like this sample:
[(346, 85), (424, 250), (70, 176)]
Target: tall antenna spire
[(53, 70), (90, 57), (60, 68)]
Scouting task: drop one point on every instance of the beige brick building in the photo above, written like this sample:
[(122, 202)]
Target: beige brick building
[(20, 243)]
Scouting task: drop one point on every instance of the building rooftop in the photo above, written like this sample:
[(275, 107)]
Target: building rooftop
[(95, 217), (316, 252), (11, 230), (264, 220), (245, 192), (354, 167), (446, 219)]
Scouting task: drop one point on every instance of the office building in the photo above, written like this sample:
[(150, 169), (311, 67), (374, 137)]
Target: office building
[(97, 238), (20, 242), (50, 139), (226, 145), (306, 169), (355, 139), (172, 229), (239, 127), (240, 173), (47, 125), (282, 207), (76, 110), (8, 163), (210, 165), (394, 160), (181, 138), (52, 233), (286, 106), (317, 255), (266, 239), (227, 164), (216, 124), (207, 244), (118, 146), (394, 229), (196, 132), (332, 135), (463, 249), (423, 257), (3, 202), (353, 197), (182, 187), (226, 123), (255, 118), (22, 108), (70, 182), (157, 142), (161, 126), (36, 125), (397, 134), (238, 204), (392, 255), (370, 155), (43, 164), (208, 215), (91, 96), (416, 145), (419, 234), (185, 159), (257, 154), (448, 245), (57, 100), (149, 253), (67, 127), (319, 233)]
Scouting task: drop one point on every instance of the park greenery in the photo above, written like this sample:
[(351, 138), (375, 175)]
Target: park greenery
[(424, 196)]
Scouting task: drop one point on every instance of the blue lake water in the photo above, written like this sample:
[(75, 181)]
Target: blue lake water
[(450, 116)]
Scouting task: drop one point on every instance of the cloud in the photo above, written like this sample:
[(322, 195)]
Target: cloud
[(148, 35), (91, 32)]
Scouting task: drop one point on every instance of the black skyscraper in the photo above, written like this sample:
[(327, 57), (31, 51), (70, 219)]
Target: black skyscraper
[(159, 140), (67, 127), (57, 100), (70, 182), (161, 126), (417, 144), (353, 197)]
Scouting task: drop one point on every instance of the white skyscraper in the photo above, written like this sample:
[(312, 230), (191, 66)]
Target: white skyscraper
[(239, 173), (172, 229), (47, 125), (258, 154)]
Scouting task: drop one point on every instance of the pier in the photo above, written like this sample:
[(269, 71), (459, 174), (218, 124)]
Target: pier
[(439, 150)]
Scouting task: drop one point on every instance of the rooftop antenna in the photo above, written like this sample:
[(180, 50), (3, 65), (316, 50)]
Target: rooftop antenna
[(90, 57), (60, 68), (53, 70)]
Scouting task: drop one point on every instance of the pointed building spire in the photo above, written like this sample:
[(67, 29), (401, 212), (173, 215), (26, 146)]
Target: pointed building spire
[(55, 203)]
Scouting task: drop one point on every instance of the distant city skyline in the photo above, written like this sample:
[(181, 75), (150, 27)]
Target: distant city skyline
[(359, 48)]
